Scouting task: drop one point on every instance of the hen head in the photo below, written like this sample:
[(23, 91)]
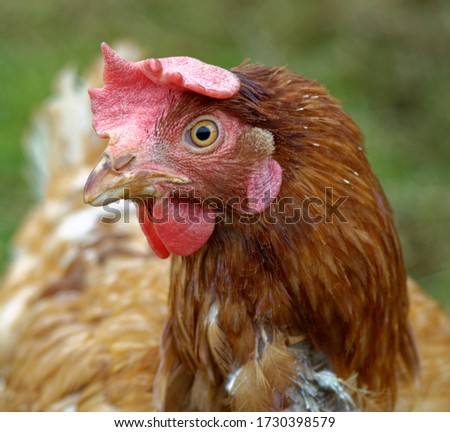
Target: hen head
[(174, 152)]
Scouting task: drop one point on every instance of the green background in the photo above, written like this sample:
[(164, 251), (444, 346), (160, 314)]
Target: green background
[(388, 61)]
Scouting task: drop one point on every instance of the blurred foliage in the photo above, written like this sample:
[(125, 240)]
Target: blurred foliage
[(387, 61)]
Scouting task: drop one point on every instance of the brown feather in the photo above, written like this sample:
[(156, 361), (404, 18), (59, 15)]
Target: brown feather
[(251, 390), (279, 367)]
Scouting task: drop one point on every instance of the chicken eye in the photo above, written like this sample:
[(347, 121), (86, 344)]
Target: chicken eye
[(204, 133)]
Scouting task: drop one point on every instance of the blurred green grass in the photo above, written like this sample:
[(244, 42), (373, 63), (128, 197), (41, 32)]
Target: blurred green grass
[(387, 61)]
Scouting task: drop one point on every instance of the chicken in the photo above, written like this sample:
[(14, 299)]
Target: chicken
[(286, 288)]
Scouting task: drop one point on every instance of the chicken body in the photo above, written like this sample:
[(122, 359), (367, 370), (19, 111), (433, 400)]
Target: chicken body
[(264, 316)]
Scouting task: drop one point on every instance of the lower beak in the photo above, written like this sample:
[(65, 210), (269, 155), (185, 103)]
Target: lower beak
[(106, 184)]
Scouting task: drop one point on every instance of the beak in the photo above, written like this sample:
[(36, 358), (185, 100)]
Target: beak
[(107, 184)]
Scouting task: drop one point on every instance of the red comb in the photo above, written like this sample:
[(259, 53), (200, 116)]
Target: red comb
[(133, 91), (187, 73), (191, 74)]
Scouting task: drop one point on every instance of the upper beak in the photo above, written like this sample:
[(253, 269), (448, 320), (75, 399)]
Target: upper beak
[(107, 183)]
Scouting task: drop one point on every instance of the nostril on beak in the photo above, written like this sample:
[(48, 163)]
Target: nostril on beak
[(117, 164)]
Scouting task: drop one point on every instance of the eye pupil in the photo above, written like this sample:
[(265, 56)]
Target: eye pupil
[(203, 133)]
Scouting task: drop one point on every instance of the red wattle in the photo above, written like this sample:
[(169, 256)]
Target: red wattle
[(183, 227), (176, 226)]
